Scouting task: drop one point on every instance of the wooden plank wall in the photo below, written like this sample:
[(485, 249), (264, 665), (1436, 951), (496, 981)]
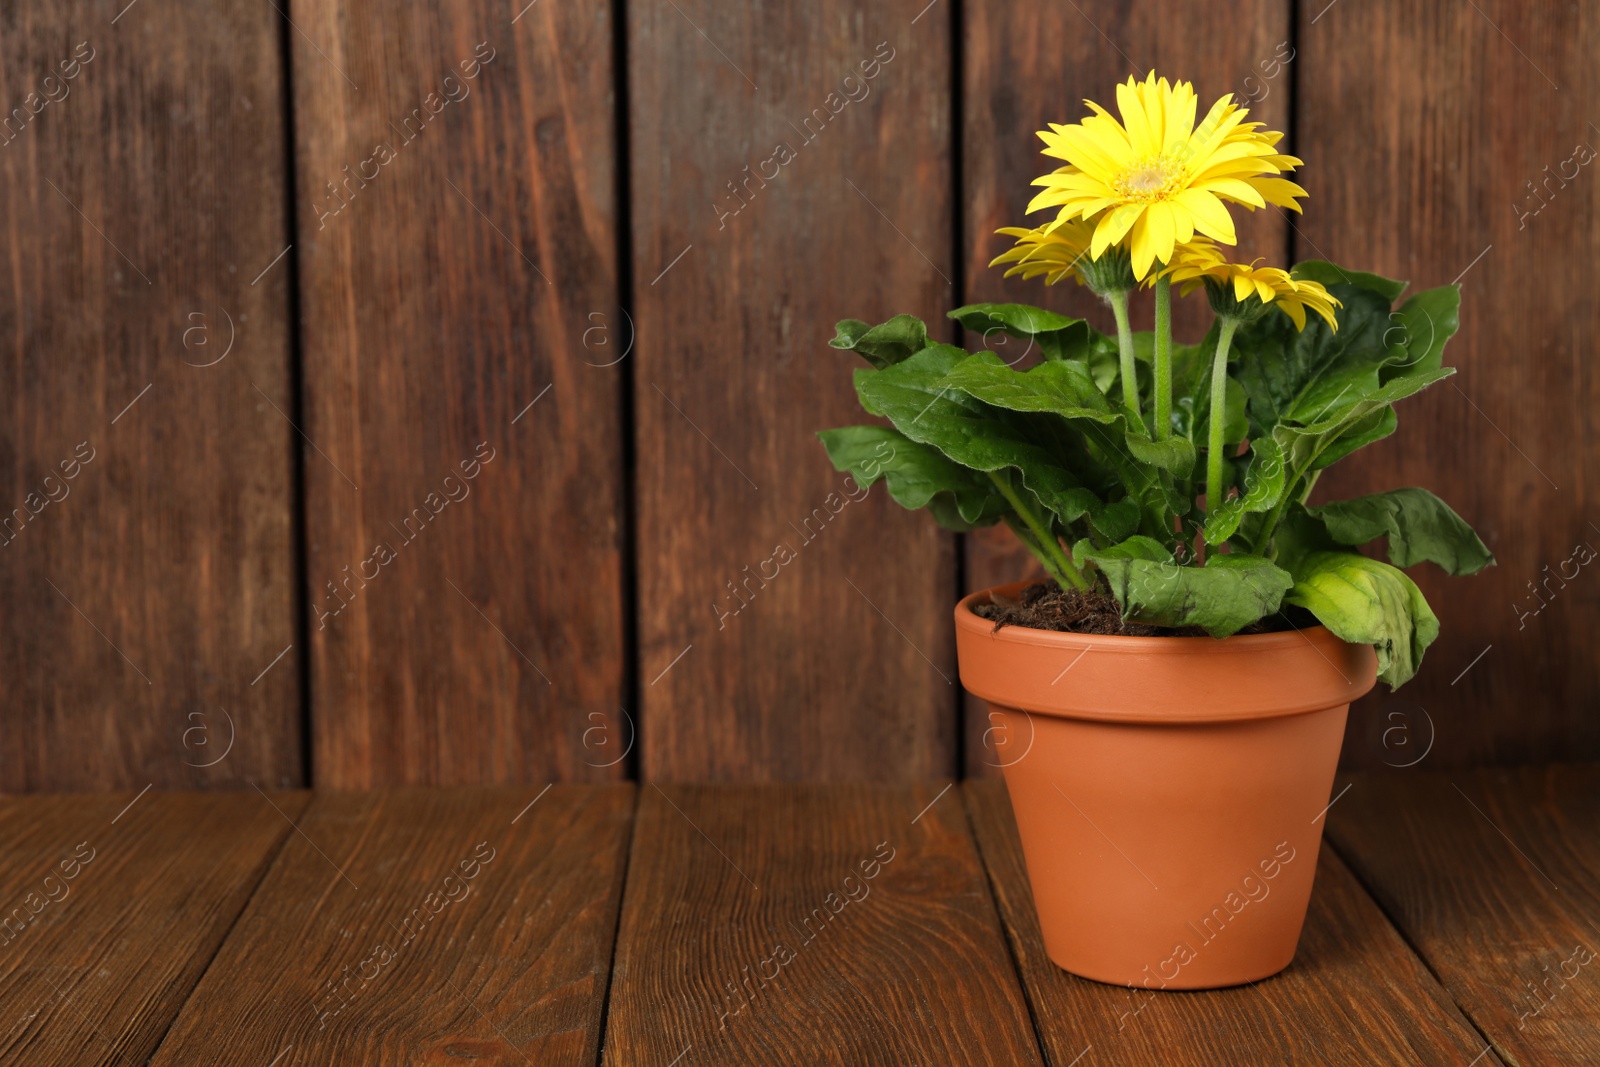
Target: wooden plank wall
[(479, 490), (842, 664), (464, 567), (1435, 146), (147, 564)]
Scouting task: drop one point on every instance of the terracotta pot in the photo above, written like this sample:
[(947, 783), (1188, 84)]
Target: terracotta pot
[(1169, 791)]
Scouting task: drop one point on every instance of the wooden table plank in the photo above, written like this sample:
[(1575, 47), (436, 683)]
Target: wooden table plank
[(146, 473), (413, 926), (1492, 874), (1355, 993), (760, 218), (464, 368), (114, 904), (810, 924)]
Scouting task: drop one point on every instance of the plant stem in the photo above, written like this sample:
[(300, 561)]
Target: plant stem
[(1130, 378), (1270, 527), (1215, 489), (1032, 544), (1047, 548), (1275, 516), (1293, 490), (1163, 358)]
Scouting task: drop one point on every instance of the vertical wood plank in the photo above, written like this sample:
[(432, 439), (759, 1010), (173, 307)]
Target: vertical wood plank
[(455, 183), (791, 167), (1031, 63), (146, 556), (1428, 130)]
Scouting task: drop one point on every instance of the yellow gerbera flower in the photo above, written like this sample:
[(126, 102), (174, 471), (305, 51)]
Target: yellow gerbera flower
[(1054, 254), (1202, 262), (1158, 176)]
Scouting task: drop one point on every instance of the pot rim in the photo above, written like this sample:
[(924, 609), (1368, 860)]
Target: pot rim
[(1145, 646), (1173, 680)]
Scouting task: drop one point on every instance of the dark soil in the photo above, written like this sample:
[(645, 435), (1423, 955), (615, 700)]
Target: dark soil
[(1045, 606)]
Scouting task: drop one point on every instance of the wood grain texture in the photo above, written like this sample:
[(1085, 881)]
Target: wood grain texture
[(114, 904), (1354, 994), (804, 925), (423, 926), (146, 553), (1426, 128), (455, 201), (1027, 64), (1491, 874), (813, 629)]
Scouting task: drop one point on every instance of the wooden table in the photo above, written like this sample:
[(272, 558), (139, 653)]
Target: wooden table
[(677, 925)]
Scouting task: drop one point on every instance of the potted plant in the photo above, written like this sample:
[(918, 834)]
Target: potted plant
[(1172, 702)]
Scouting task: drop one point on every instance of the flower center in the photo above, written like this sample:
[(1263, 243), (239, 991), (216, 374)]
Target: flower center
[(1150, 179)]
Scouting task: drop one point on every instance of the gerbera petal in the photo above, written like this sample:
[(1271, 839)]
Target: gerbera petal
[(1091, 208), (1210, 215), (1161, 229), (1214, 117), (1142, 247), (1107, 232), (1279, 191), (1135, 121), (1048, 198), (1237, 150), (1295, 311), (1182, 224), (1234, 189), (1180, 118), (1086, 148), (1219, 126), (1098, 110)]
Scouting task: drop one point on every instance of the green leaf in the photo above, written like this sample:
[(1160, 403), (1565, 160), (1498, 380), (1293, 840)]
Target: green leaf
[(1321, 444), (1227, 594), (883, 345), (915, 396), (1018, 320), (1144, 346), (1175, 454), (1422, 325), (1409, 383), (1320, 270), (1136, 547), (1100, 433), (1056, 336), (916, 475), (1366, 601), (1311, 375), (1418, 524), (1298, 536), (1358, 433), (1116, 520), (1063, 388), (1264, 483)]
